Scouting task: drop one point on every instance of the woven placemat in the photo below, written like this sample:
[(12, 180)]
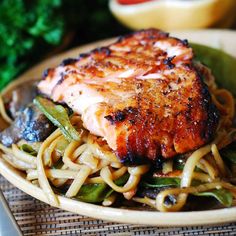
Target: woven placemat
[(37, 218)]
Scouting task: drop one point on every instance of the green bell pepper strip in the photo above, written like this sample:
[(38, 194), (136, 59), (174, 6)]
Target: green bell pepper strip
[(95, 193)]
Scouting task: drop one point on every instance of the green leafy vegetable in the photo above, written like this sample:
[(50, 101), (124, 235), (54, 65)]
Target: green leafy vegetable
[(159, 182), (57, 114), (95, 193), (179, 164), (61, 146), (27, 148), (58, 164), (222, 65), (229, 154), (122, 180), (222, 195)]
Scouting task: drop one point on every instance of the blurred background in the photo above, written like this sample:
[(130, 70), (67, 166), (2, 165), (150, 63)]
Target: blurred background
[(31, 30)]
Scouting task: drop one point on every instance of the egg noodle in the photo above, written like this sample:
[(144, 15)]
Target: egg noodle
[(62, 163)]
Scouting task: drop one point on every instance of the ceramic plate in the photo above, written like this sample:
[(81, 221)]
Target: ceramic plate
[(225, 40)]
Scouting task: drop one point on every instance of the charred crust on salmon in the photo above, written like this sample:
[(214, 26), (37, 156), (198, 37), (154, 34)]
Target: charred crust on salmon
[(185, 42), (102, 50), (68, 61), (142, 94), (119, 115), (83, 55), (168, 62), (48, 72), (133, 159), (60, 81), (116, 117)]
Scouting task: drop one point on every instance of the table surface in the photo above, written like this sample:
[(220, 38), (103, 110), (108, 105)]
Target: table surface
[(37, 218)]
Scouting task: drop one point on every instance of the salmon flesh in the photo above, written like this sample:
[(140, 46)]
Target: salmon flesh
[(142, 94)]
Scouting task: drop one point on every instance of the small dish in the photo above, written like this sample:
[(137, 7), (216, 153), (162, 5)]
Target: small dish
[(175, 14)]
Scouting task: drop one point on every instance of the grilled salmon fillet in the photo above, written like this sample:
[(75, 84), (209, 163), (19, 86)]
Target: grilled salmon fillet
[(142, 94)]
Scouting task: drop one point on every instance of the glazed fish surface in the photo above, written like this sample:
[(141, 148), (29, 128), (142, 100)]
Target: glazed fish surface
[(142, 94)]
